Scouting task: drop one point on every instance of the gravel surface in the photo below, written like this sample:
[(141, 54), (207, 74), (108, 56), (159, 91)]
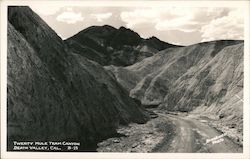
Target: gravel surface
[(147, 137)]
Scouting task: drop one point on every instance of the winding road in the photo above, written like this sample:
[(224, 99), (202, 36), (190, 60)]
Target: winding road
[(195, 136)]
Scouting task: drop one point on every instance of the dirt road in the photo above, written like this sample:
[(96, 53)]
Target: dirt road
[(195, 136), (170, 134)]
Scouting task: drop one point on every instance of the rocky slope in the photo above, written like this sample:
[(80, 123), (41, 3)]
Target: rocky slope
[(207, 74), (56, 95), (110, 46), (204, 79)]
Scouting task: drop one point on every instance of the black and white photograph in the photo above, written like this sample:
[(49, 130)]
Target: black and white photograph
[(157, 78)]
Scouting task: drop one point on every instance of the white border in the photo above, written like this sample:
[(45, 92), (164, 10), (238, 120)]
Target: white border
[(75, 155)]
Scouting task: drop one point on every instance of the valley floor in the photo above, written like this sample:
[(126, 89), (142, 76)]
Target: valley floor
[(170, 133)]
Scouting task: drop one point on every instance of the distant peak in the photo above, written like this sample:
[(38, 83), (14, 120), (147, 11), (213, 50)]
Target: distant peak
[(125, 30), (122, 27), (153, 37), (108, 26)]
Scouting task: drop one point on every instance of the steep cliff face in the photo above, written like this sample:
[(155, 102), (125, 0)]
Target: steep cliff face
[(110, 46), (187, 77), (56, 95)]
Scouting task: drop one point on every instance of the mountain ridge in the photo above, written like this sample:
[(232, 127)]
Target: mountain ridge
[(121, 47)]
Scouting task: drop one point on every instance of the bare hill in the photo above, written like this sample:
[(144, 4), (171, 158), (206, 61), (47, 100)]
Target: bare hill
[(110, 46), (56, 95), (207, 74)]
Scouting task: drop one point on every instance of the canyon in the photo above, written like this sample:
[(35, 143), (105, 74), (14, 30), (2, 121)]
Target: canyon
[(105, 87)]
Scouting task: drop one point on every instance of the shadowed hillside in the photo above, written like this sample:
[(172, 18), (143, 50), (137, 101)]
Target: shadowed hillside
[(110, 46), (56, 95)]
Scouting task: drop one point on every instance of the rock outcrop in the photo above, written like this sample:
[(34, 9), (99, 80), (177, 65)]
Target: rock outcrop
[(57, 95)]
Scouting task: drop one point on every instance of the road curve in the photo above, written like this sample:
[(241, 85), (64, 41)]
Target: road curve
[(194, 136)]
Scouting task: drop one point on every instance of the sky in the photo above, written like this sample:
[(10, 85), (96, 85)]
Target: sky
[(176, 25)]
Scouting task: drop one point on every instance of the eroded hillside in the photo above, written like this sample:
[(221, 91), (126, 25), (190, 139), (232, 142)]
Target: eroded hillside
[(56, 95), (186, 77), (205, 77)]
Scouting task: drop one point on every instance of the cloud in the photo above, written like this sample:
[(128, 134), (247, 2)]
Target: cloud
[(182, 24), (45, 10), (102, 16), (226, 27), (172, 18), (69, 16), (139, 16), (210, 23), (189, 19)]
